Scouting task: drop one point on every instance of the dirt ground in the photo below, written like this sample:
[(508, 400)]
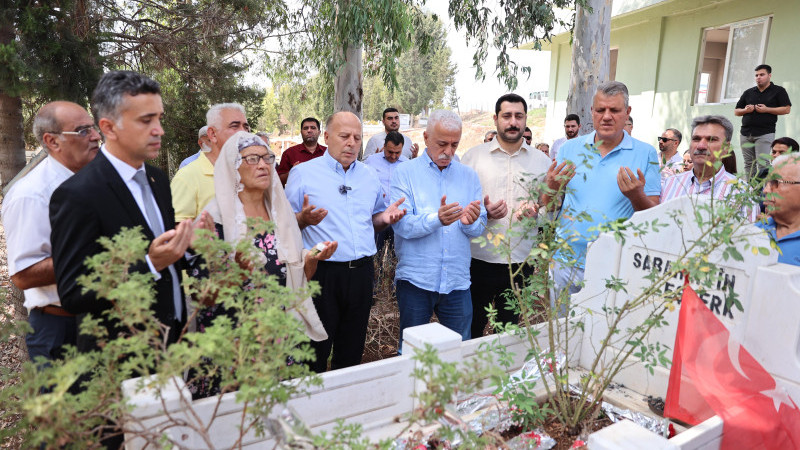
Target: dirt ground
[(12, 353)]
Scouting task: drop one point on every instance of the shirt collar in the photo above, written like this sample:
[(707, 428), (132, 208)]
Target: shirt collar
[(335, 165), (57, 165), (625, 144), (318, 148), (125, 171), (205, 164), (717, 178), (494, 146), (429, 162)]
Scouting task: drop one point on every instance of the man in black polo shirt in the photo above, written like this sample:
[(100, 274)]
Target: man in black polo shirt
[(760, 107)]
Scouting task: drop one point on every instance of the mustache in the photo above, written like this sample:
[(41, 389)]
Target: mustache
[(444, 157), (512, 129)]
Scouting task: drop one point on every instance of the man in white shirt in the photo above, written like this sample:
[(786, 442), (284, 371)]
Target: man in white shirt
[(572, 124), (384, 164), (391, 122), (669, 159), (506, 166), (71, 140)]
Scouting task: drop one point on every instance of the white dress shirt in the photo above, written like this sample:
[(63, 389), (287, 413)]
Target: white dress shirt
[(126, 172), (26, 219), (506, 177)]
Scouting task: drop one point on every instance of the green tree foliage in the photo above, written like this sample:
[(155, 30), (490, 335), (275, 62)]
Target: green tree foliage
[(200, 52), (249, 357), (506, 24), (377, 97), (424, 75), (301, 98), (270, 121), (52, 54)]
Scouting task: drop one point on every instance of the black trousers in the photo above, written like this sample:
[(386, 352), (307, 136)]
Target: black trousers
[(384, 237), (488, 283), (343, 306)]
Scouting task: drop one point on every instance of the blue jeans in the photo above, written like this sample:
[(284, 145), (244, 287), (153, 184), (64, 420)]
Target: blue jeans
[(454, 310)]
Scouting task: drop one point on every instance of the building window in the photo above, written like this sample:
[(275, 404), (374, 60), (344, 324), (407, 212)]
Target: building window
[(612, 64), (728, 56)]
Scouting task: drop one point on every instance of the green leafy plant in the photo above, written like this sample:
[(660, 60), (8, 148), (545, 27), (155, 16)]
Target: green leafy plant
[(550, 321), (75, 401)]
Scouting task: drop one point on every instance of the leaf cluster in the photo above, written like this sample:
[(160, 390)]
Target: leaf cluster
[(74, 401)]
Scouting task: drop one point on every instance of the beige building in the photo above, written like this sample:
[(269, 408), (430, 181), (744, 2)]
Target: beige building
[(684, 58)]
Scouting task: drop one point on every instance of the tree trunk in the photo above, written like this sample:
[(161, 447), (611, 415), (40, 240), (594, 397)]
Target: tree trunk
[(590, 58), (348, 90), (12, 142)]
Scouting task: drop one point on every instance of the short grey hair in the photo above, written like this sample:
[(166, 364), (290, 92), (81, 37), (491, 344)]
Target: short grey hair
[(214, 114), (788, 159), (446, 118), (45, 122), (716, 119), (202, 132), (612, 88), (264, 137), (113, 87)]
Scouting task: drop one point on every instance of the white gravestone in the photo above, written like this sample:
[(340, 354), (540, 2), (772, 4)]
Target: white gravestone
[(638, 256)]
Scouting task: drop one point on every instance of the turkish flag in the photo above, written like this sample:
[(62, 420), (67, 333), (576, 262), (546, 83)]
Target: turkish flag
[(713, 374)]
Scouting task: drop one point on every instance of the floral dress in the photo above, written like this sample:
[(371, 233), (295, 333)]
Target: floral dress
[(208, 386)]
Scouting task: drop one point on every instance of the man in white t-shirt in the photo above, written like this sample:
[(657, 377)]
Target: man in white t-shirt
[(391, 122), (572, 124)]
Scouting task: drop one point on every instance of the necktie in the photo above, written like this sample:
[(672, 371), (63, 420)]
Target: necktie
[(157, 227), (149, 203)]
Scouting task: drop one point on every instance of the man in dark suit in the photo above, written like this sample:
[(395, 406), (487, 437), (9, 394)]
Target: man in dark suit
[(117, 189)]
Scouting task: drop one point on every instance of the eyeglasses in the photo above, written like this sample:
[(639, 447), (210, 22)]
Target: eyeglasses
[(665, 139), (773, 184), (252, 160), (83, 132)]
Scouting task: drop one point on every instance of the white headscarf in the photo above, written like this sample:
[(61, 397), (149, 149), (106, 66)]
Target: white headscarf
[(227, 209)]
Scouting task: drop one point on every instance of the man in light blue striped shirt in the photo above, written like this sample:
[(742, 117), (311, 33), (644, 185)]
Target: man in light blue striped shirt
[(432, 241), (385, 162)]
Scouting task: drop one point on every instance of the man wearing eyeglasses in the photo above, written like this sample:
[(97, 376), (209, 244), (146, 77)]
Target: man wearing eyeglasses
[(711, 142), (193, 186), (71, 140), (669, 159), (782, 201), (338, 198)]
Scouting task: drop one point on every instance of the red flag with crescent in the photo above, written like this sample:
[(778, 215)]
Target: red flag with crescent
[(713, 374)]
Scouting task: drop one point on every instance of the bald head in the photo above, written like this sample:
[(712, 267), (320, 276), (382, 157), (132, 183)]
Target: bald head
[(68, 133), (343, 136)]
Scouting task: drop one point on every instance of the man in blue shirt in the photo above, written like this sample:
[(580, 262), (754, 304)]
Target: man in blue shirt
[(203, 142), (604, 176), (443, 200), (782, 201), (351, 208), (384, 163)]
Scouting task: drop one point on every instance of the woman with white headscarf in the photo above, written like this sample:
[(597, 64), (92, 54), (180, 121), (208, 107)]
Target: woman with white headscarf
[(247, 186)]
